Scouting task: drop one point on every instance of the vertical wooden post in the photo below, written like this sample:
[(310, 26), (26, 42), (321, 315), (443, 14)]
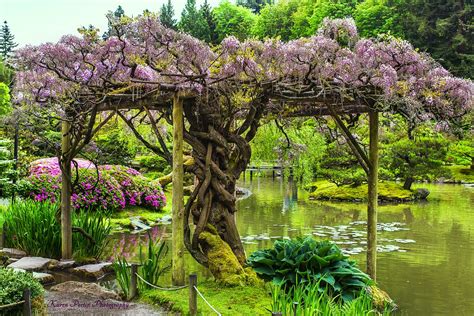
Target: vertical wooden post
[(372, 195), (66, 221), (27, 304), (177, 198), (133, 281), (192, 294)]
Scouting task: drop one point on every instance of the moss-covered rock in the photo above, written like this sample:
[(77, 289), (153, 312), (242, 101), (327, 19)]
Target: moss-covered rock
[(388, 192), (223, 264), (380, 299)]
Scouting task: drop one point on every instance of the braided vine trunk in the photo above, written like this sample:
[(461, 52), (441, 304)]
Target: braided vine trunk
[(220, 155)]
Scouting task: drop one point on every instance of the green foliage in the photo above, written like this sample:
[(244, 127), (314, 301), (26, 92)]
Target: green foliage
[(233, 20), (151, 265), (33, 227), (13, 283), (193, 22), (5, 106), (153, 162), (255, 5), (6, 166), (375, 17), (276, 20), (167, 15), (312, 301), (303, 149), (462, 152), (307, 261), (419, 159), (340, 166), (114, 146)]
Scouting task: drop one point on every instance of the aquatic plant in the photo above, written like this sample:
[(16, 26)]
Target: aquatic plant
[(311, 299), (108, 187), (150, 260), (32, 226), (307, 261)]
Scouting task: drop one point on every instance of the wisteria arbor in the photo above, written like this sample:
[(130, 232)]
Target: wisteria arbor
[(147, 70)]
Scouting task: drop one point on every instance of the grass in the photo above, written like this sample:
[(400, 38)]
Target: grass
[(388, 191), (461, 174), (227, 300)]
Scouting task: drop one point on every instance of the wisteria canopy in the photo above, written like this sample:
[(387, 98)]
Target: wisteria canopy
[(227, 90)]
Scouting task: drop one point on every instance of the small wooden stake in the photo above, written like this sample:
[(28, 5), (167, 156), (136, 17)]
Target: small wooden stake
[(192, 294), (27, 304)]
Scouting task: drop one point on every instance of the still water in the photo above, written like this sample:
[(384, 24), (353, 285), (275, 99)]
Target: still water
[(426, 258)]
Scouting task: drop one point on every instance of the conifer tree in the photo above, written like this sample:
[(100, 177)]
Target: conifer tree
[(167, 15), (7, 41)]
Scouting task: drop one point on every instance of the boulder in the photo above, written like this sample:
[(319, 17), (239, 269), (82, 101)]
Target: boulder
[(34, 264), (93, 271), (65, 264), (43, 278), (12, 253), (421, 194), (83, 288)]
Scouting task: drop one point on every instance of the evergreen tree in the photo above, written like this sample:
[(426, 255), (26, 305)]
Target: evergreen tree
[(167, 15), (7, 40), (193, 22), (254, 5), (113, 18), (206, 12)]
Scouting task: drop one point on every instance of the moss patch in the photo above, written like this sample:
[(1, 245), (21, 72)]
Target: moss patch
[(388, 192), (223, 264), (227, 300)]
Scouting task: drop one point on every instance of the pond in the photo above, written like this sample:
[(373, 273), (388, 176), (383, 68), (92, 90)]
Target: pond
[(426, 258)]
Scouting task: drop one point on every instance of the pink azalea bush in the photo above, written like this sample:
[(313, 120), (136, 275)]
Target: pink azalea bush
[(107, 187)]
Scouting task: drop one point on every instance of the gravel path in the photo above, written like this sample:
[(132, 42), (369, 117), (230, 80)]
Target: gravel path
[(70, 304)]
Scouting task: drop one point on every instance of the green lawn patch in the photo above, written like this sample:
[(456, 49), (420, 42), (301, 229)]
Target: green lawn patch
[(388, 192), (227, 300)]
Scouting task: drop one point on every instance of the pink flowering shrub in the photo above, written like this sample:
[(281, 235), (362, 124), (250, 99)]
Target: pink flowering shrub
[(108, 187)]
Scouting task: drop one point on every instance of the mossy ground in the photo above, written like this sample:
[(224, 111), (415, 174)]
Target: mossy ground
[(388, 191), (237, 300), (461, 174)]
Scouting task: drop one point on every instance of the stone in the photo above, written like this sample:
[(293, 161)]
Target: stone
[(34, 264), (88, 289), (12, 253), (43, 278), (95, 271), (65, 264), (421, 194), (11, 260)]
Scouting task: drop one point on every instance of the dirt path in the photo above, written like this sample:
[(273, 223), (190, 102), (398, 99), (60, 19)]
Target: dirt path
[(69, 304)]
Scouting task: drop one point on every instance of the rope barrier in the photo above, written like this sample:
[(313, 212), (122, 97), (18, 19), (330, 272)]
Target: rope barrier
[(195, 287), (161, 288), (11, 305)]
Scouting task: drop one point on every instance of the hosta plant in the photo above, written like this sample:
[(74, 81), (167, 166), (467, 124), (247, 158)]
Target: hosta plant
[(301, 261)]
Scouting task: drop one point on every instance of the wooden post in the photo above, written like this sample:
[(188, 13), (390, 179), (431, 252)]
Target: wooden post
[(4, 235), (27, 304), (372, 195), (177, 274), (133, 281), (295, 308), (66, 221), (192, 294), (277, 314)]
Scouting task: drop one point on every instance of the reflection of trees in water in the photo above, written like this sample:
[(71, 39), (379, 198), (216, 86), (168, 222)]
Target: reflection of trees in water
[(408, 214)]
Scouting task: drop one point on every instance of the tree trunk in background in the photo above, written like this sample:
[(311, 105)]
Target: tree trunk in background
[(408, 182), (66, 214), (372, 195), (178, 277)]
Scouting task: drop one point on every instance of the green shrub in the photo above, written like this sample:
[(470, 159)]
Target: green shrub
[(33, 227), (12, 284), (301, 261)]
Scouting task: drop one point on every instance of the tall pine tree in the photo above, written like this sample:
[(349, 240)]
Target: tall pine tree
[(193, 22), (7, 41), (254, 5), (113, 17), (206, 12), (167, 15)]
